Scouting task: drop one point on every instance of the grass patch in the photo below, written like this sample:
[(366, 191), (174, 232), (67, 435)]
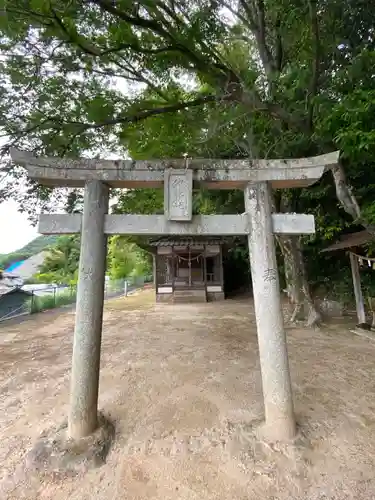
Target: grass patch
[(44, 302), (138, 300)]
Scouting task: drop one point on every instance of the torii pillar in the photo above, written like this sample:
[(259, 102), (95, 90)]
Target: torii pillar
[(277, 390), (84, 385), (256, 178)]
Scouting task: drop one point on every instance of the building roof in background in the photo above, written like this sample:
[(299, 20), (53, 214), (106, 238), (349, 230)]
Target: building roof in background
[(29, 267), (6, 290), (14, 266), (350, 241), (10, 280)]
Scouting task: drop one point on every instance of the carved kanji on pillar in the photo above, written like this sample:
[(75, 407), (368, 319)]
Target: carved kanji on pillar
[(178, 195)]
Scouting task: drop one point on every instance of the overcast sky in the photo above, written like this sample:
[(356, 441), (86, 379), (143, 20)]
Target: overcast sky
[(15, 229)]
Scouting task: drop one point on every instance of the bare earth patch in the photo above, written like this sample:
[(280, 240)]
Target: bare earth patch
[(182, 384)]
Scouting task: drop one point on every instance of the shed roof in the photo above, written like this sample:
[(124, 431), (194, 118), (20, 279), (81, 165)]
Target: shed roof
[(350, 240), (6, 290)]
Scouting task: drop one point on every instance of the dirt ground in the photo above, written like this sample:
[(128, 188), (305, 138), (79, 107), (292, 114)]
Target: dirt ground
[(182, 384)]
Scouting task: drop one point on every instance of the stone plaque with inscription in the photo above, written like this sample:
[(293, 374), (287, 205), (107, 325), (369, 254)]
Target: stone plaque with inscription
[(178, 194)]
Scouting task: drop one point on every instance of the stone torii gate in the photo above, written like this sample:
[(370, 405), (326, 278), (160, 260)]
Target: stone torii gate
[(255, 177)]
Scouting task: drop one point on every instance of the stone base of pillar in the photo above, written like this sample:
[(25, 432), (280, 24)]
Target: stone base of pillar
[(57, 455), (279, 430)]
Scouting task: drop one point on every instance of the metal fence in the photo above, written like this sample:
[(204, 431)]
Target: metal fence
[(36, 298)]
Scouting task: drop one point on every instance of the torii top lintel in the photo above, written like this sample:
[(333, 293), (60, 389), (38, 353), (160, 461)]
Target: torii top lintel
[(211, 173)]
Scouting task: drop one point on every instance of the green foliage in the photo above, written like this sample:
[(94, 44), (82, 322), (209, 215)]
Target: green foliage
[(61, 263), (165, 78), (51, 301), (140, 201), (126, 259), (38, 244)]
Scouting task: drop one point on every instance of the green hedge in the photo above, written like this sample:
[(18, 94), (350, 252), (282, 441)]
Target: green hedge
[(44, 302)]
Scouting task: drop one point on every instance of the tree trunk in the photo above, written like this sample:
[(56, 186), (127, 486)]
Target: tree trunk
[(297, 285), (292, 274), (347, 199), (344, 193), (313, 317)]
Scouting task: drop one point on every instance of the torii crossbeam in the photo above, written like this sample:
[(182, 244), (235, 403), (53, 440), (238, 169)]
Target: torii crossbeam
[(255, 177)]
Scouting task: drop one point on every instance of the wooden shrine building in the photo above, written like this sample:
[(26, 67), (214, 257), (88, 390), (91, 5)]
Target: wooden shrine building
[(188, 269)]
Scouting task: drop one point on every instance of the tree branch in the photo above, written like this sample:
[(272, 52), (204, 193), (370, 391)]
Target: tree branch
[(82, 127), (278, 45), (260, 35), (157, 27), (17, 136), (142, 115), (169, 11), (88, 48), (247, 22), (138, 48), (247, 9), (257, 24), (140, 77), (259, 5), (315, 62), (140, 22), (252, 100), (29, 13)]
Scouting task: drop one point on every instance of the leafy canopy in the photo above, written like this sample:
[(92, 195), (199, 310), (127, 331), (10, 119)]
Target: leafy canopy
[(159, 78)]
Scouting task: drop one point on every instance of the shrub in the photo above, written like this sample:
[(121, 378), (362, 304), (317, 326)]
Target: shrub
[(51, 301)]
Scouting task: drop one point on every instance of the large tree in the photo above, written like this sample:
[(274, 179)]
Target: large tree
[(271, 77)]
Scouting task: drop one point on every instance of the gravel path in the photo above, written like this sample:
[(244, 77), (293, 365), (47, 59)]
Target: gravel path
[(182, 383)]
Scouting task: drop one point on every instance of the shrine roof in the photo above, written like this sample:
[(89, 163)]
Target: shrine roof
[(350, 240), (210, 173), (166, 242)]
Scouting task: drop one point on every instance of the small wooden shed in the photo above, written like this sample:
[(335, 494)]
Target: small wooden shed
[(13, 302), (353, 244)]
